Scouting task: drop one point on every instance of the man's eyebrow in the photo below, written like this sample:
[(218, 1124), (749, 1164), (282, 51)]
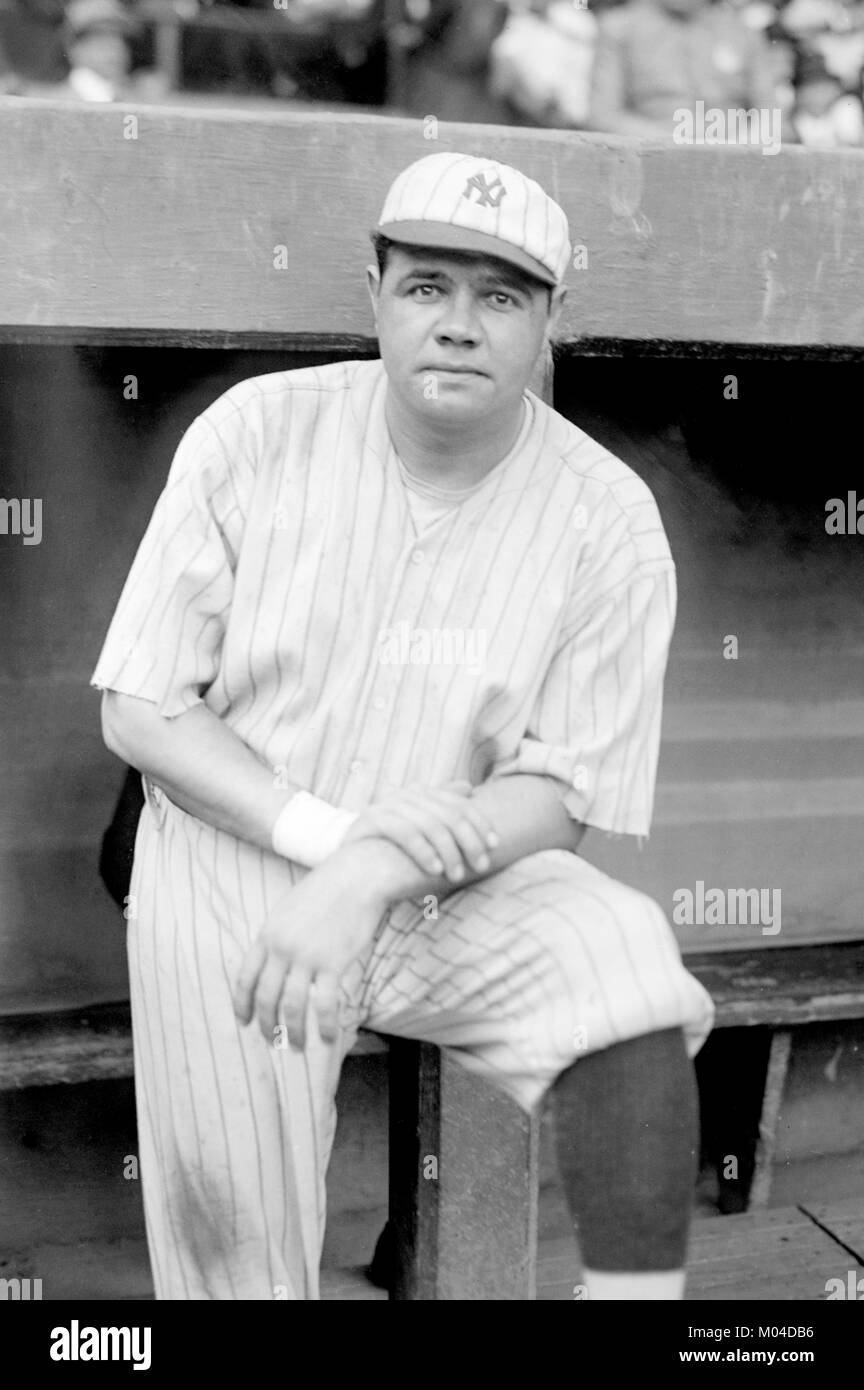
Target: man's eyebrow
[(424, 273), (503, 277), (485, 277)]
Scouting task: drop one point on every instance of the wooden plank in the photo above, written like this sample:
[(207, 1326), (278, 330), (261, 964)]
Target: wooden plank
[(67, 1058), (463, 1182), (175, 229), (109, 1270), (844, 1220), (761, 1256), (772, 1099), (784, 985), (829, 718), (718, 757), (488, 1217), (415, 1083), (814, 863), (692, 803), (348, 1285), (696, 681), (719, 1250), (78, 1045)]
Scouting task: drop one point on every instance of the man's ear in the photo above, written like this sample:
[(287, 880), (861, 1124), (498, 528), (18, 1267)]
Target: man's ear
[(556, 304), (373, 285)]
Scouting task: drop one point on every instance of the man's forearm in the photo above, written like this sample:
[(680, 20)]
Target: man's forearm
[(528, 814), (207, 770), (200, 763)]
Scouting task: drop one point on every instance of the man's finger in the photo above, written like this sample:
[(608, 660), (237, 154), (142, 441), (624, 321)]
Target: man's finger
[(465, 823), (244, 989), (471, 810), (424, 835), (268, 992), (419, 836), (325, 1001), (293, 1004)]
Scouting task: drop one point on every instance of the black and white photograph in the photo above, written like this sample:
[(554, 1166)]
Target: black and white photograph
[(432, 640)]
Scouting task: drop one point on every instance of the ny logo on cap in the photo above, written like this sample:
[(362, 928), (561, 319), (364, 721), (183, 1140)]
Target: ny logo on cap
[(489, 193)]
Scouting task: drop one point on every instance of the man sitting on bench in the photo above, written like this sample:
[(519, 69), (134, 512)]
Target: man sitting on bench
[(396, 633)]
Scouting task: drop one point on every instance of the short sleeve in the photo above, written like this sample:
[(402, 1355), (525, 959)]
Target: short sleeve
[(595, 728), (165, 639)]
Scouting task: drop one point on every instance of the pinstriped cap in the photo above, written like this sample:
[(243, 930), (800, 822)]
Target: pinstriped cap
[(461, 202)]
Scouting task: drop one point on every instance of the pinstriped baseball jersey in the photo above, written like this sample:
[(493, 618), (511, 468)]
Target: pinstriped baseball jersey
[(282, 582)]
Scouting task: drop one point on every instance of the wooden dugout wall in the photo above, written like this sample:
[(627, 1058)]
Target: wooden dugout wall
[(149, 227), (148, 221)]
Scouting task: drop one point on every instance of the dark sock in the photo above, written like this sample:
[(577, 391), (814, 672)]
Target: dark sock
[(627, 1122)]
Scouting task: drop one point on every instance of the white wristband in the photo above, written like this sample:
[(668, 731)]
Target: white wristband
[(308, 829)]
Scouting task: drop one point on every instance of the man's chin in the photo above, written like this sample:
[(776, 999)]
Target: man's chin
[(454, 395)]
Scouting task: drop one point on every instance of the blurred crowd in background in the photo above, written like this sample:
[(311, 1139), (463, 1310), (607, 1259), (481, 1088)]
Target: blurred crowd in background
[(621, 66)]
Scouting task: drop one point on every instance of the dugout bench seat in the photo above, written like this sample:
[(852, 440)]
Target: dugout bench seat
[(473, 1233)]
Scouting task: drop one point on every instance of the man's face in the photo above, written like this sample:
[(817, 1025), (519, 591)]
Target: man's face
[(459, 334)]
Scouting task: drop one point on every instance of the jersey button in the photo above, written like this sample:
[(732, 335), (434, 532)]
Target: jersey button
[(356, 766), (417, 557), (379, 702)]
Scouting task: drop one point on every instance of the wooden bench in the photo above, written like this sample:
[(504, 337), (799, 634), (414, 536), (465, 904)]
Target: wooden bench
[(780, 991), (450, 1234)]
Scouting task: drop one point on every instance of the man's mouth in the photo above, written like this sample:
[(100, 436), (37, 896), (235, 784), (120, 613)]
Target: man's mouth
[(455, 370)]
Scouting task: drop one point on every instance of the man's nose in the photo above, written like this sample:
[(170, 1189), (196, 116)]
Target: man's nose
[(459, 323)]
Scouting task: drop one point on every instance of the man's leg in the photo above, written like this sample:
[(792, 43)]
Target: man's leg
[(627, 1125), (234, 1131), (547, 963)]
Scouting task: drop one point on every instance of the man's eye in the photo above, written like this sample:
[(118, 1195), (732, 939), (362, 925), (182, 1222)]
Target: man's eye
[(420, 291), (502, 299)]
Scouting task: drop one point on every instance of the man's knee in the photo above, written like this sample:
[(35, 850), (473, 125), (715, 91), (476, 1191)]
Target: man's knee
[(626, 1120), (590, 886)]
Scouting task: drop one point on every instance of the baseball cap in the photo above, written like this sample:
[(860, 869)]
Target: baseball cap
[(462, 202)]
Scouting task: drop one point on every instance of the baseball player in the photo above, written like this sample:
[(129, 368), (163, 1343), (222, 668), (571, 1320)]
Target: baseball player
[(395, 635)]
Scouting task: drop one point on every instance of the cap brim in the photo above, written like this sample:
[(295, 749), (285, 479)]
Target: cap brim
[(443, 236)]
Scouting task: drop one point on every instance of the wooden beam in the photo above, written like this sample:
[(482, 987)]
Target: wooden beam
[(772, 1099), (71, 1047), (173, 223), (463, 1182), (781, 986), (94, 1044)]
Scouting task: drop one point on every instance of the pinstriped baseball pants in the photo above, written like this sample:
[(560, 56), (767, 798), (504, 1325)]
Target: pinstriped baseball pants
[(518, 975)]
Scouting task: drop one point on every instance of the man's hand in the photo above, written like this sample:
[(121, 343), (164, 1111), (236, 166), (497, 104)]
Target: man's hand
[(329, 919), (441, 828), (318, 928)]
